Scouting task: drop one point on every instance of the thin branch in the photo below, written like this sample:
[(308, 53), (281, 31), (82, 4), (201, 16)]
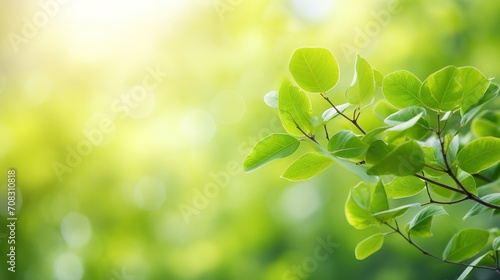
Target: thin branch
[(439, 184), (326, 132), (425, 252), (353, 121)]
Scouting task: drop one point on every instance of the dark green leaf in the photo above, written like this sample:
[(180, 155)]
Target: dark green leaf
[(406, 159)]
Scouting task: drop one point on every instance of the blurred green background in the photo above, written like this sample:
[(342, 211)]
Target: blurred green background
[(127, 123)]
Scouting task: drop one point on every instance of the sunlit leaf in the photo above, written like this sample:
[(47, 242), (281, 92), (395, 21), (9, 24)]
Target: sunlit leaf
[(378, 201), (406, 159), (479, 154), (272, 147), (314, 69), (490, 94), (369, 246), (402, 89), (420, 225), (387, 215), (404, 187), (295, 110), (474, 85), (465, 244), (332, 113), (346, 144), (362, 89), (307, 166), (271, 99)]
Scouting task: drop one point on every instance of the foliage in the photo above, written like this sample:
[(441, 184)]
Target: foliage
[(434, 137)]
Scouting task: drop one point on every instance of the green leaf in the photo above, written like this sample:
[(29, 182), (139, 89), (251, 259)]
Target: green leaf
[(332, 113), (378, 199), (362, 89), (420, 225), (465, 244), (490, 94), (406, 118), (379, 78), (387, 215), (272, 147), (406, 159), (442, 90), (478, 208), (295, 110), (346, 144), (405, 115), (314, 69), (402, 89), (452, 88), (369, 246), (404, 187), (474, 85), (374, 134), (307, 166), (487, 124), (377, 150), (468, 182), (479, 154), (271, 99), (496, 244), (469, 269), (382, 109), (357, 207)]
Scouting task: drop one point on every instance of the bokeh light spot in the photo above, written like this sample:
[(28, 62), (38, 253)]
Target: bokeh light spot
[(150, 193), (75, 229), (300, 202), (68, 266), (197, 127)]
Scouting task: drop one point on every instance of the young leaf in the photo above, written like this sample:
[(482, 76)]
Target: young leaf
[(490, 94), (314, 69), (406, 159), (474, 85), (379, 78), (479, 154), (386, 215), (295, 109), (362, 89), (346, 144), (382, 109), (357, 207), (378, 200), (307, 166), (272, 147), (332, 113), (377, 150), (402, 89), (405, 115), (468, 182), (271, 99), (369, 246), (404, 187), (487, 124), (478, 209), (496, 244), (469, 269), (420, 225), (374, 134), (442, 90), (465, 244)]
